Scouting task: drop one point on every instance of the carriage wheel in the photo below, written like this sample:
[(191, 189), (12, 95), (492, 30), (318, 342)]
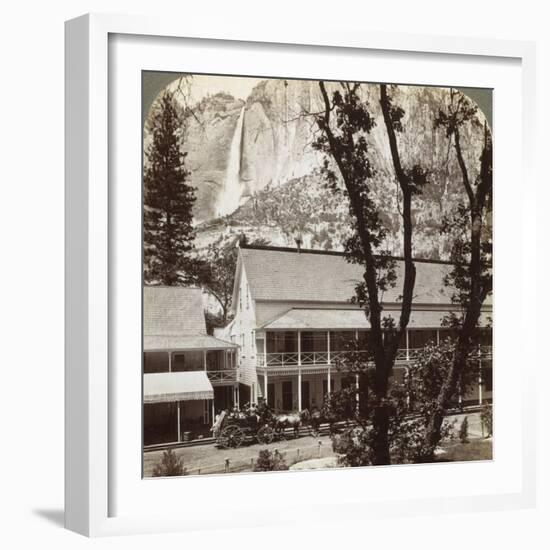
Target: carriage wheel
[(232, 436), (265, 434)]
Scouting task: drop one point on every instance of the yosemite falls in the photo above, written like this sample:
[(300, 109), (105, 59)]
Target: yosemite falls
[(230, 196)]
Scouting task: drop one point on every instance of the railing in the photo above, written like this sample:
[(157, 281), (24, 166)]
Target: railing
[(226, 375), (307, 358)]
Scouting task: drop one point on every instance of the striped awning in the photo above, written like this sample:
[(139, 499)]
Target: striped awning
[(166, 387)]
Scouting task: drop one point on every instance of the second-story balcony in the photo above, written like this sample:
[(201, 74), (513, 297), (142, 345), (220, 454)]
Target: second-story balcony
[(331, 348), (220, 365)]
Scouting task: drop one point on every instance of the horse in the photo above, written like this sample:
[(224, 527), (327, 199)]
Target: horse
[(317, 417), (289, 420)]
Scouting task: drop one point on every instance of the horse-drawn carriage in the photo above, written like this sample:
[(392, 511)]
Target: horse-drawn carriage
[(231, 429)]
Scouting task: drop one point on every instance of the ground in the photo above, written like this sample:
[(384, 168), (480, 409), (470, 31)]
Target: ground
[(208, 459)]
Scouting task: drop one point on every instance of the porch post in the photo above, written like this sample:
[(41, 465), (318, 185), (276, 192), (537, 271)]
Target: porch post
[(328, 346), (169, 361), (407, 342), (299, 390), (437, 337), (265, 387), (204, 358), (213, 414), (299, 348), (328, 381), (179, 423), (480, 377)]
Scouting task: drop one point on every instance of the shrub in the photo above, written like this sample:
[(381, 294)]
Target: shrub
[(487, 418), (269, 462), (463, 433), (169, 465)]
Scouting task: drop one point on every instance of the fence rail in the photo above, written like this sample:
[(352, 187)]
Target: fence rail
[(291, 457)]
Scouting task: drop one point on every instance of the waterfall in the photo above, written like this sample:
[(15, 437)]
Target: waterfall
[(230, 196)]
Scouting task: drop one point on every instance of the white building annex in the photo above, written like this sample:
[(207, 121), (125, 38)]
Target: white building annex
[(293, 317), (188, 376)]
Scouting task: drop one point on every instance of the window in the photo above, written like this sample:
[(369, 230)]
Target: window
[(313, 341), (282, 342), (155, 361), (214, 360), (187, 361)]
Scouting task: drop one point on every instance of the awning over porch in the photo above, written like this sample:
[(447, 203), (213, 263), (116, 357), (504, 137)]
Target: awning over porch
[(182, 343), (165, 387), (354, 319)]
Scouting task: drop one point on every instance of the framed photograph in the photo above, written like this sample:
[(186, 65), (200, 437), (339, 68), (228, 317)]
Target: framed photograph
[(292, 270)]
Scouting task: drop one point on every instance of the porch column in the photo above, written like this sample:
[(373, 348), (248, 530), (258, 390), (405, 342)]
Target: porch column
[(265, 386), (299, 390), (179, 423), (169, 361), (213, 414), (299, 348), (437, 337), (204, 359), (328, 381), (480, 377), (407, 342), (328, 346)]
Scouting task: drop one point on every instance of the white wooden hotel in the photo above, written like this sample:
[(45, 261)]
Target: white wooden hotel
[(293, 317)]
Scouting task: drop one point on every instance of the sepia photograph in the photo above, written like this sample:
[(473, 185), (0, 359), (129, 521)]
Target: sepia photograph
[(317, 274)]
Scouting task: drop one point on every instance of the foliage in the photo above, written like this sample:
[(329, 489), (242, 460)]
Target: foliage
[(411, 405), (168, 232), (216, 268), (487, 418), (463, 432), (169, 465), (268, 461), (213, 320)]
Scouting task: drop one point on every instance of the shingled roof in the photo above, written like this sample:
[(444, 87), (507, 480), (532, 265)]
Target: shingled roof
[(276, 274), (173, 311)]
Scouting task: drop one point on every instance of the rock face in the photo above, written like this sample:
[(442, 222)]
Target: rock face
[(262, 150)]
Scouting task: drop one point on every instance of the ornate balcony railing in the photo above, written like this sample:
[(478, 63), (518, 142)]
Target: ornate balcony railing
[(225, 375), (307, 358)]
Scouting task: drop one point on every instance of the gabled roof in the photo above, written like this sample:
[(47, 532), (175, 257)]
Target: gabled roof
[(276, 274), (173, 311)]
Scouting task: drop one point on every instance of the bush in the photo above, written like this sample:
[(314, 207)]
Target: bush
[(169, 465), (269, 462), (463, 433), (487, 418)]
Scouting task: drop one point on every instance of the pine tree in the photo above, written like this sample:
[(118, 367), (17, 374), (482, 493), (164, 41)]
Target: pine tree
[(168, 232)]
